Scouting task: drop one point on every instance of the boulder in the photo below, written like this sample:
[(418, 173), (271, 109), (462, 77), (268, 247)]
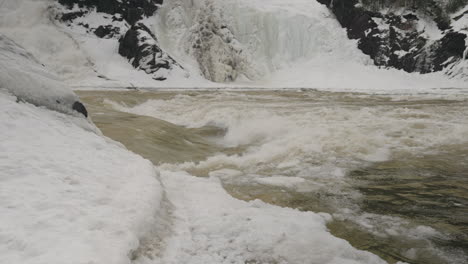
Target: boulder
[(107, 31), (140, 46)]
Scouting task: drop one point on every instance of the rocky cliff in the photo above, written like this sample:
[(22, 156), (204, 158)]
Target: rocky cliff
[(122, 21), (417, 37)]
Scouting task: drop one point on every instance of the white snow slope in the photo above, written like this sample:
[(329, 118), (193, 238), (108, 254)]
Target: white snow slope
[(67, 193)]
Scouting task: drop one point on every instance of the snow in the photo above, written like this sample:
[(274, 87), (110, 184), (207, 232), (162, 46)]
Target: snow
[(212, 227), (31, 25), (281, 39), (276, 51), (70, 195), (23, 76), (67, 193)]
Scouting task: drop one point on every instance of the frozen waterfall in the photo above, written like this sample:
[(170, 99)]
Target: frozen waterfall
[(252, 38)]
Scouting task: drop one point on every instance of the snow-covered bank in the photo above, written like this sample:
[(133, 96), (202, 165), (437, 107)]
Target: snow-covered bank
[(67, 193), (213, 227)]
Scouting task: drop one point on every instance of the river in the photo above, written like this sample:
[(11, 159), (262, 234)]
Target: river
[(392, 170)]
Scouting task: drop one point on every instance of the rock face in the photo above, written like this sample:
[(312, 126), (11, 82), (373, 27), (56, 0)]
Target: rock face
[(400, 40), (141, 48), (129, 10), (121, 20)]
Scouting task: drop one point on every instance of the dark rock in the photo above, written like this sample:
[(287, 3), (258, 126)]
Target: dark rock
[(68, 17), (107, 31), (450, 47), (411, 17), (400, 46), (453, 44), (107, 6), (79, 107), (325, 2), (130, 10), (134, 15), (83, 25), (140, 46)]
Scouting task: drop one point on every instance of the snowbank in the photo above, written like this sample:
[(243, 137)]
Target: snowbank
[(32, 25), (23, 76), (67, 194), (213, 227)]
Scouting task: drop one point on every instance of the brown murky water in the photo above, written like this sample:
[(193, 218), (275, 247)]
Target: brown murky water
[(391, 170)]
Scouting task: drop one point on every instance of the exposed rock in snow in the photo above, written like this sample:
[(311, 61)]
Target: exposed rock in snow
[(405, 39), (141, 47), (123, 21), (24, 77), (130, 10), (108, 31)]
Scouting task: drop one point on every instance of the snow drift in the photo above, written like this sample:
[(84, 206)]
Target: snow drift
[(23, 76), (67, 194)]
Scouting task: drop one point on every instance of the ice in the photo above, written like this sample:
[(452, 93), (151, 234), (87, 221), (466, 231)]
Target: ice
[(298, 44), (31, 24), (70, 195), (213, 227), (67, 194), (278, 44), (23, 76)]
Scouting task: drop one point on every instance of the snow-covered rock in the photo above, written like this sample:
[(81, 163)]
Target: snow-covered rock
[(220, 56), (141, 48), (67, 193), (24, 77), (129, 10), (414, 39), (122, 21)]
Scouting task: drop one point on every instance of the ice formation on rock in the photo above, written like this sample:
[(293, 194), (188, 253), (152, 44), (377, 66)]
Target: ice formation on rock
[(220, 56)]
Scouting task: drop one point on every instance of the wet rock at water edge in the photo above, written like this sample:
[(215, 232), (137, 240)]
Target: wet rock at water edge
[(80, 108)]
